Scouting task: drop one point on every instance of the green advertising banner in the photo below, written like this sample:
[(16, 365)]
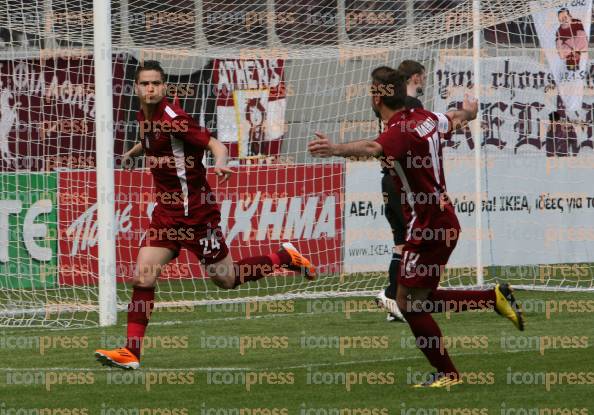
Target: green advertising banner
[(28, 230)]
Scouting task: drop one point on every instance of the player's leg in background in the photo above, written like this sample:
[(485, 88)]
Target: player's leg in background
[(211, 248), (149, 263), (396, 220), (390, 290), (386, 298), (227, 274), (222, 273), (500, 299)]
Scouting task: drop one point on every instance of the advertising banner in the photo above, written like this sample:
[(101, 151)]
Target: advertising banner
[(536, 164), (28, 230), (261, 207)]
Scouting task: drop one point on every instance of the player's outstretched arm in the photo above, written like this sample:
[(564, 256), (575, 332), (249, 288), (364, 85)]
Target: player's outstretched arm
[(219, 152), (460, 118), (322, 147), (130, 155)]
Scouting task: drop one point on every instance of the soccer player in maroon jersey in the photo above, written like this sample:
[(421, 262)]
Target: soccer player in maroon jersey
[(185, 215), (411, 149), (571, 39), (415, 83)]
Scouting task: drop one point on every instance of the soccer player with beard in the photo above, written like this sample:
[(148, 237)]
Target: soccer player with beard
[(411, 149), (186, 214)]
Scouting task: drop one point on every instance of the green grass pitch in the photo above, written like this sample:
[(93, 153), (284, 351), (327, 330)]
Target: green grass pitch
[(322, 356)]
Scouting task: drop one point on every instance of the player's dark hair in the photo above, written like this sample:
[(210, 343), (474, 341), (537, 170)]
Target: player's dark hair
[(377, 75), (410, 68), (380, 71), (390, 86), (563, 9), (149, 66), (556, 116)]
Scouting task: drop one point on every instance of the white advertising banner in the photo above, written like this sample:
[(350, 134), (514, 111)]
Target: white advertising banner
[(368, 238), (535, 211), (537, 195)]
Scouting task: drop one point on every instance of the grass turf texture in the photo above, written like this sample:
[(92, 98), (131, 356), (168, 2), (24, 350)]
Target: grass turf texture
[(499, 376)]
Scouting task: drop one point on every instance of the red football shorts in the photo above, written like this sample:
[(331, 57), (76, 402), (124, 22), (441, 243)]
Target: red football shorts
[(422, 265), (206, 241)]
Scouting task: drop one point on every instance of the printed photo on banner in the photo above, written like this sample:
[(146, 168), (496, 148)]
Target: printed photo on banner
[(563, 34), (250, 105)]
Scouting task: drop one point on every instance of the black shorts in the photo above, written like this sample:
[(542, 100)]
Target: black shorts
[(393, 204)]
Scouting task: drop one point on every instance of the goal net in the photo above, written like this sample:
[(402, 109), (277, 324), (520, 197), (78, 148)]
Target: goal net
[(263, 76)]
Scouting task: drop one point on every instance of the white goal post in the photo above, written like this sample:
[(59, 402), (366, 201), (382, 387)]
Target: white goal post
[(105, 166), (263, 76)]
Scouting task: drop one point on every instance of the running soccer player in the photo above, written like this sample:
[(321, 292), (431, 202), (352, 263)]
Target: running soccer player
[(184, 215), (411, 148), (415, 83)]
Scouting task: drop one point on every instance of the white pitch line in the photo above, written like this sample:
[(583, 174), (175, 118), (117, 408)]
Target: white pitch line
[(207, 320), (304, 366), (107, 369), (25, 330)]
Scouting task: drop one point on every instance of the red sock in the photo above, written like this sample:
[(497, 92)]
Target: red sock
[(430, 341), (461, 300), (256, 267), (139, 312), (252, 268), (281, 258)]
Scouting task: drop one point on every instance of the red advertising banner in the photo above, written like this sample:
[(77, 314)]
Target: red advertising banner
[(261, 206)]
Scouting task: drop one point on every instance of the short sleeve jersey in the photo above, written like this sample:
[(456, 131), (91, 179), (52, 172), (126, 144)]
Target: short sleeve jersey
[(174, 146)]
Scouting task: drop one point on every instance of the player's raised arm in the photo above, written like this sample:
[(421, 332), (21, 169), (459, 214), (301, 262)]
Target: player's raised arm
[(219, 152), (460, 118), (322, 147)]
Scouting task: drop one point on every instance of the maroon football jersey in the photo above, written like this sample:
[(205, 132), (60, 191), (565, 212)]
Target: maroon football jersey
[(174, 146), (412, 152), (566, 33)]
